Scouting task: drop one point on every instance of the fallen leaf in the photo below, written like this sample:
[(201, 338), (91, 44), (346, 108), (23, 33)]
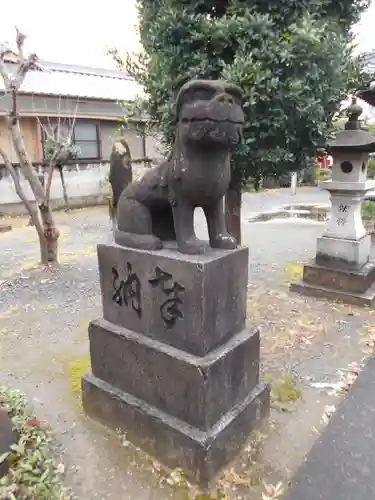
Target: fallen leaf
[(61, 468), (33, 422)]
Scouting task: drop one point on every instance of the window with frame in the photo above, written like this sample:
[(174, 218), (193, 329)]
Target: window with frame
[(85, 135), (86, 138)]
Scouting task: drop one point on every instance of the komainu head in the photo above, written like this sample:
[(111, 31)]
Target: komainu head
[(209, 113), (120, 148)]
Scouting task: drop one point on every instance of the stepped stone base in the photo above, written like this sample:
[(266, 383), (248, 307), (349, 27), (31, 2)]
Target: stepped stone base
[(173, 364), (356, 287), (197, 390), (201, 454)]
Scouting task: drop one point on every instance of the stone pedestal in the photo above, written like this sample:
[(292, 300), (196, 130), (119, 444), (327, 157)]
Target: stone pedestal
[(173, 364), (7, 438), (345, 239), (352, 286), (342, 269)]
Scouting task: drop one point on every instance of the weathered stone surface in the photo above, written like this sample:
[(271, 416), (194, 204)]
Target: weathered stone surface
[(342, 269), (160, 207), (341, 464), (348, 280), (343, 253), (356, 287), (210, 294), (7, 437), (197, 390), (120, 168), (345, 221), (201, 454), (356, 299), (172, 363)]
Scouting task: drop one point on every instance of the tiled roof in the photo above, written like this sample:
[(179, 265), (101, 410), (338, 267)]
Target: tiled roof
[(78, 81), (369, 62)]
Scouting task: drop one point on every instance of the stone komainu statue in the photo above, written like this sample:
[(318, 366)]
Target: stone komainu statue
[(160, 207), (120, 172)]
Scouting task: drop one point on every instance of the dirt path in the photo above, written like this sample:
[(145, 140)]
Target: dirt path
[(44, 349)]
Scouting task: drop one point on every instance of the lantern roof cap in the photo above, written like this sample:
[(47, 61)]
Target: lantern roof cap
[(354, 137)]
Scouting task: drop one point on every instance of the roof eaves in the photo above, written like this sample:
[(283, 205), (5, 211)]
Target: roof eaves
[(72, 96)]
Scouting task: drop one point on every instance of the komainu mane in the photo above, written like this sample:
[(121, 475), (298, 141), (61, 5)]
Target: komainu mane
[(160, 207)]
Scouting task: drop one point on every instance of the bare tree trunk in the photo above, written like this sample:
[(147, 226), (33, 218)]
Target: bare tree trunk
[(48, 238), (233, 208), (51, 235)]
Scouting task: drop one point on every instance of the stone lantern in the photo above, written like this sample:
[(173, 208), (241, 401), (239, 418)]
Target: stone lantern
[(342, 268)]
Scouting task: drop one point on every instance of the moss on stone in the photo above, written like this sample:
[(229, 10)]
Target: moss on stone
[(75, 370), (293, 271), (284, 389)]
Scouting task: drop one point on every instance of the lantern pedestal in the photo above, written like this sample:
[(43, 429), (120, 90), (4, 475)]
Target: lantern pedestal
[(356, 287), (345, 242), (342, 269)]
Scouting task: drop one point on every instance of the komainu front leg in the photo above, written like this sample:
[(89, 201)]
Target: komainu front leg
[(219, 237), (187, 242)]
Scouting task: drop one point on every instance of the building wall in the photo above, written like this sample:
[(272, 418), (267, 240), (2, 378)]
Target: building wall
[(31, 135), (109, 134), (86, 182), (85, 185)]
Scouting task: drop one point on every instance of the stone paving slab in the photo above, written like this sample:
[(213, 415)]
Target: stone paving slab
[(341, 464)]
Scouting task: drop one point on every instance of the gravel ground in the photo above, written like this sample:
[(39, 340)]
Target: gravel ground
[(43, 322)]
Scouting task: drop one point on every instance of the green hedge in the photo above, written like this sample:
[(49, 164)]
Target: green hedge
[(371, 169), (368, 211)]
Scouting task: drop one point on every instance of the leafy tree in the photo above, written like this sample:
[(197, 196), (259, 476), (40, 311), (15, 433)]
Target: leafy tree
[(293, 59)]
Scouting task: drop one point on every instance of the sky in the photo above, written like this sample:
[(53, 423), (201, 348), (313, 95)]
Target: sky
[(72, 31), (77, 33)]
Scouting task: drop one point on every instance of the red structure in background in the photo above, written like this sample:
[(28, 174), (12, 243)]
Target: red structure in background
[(324, 160)]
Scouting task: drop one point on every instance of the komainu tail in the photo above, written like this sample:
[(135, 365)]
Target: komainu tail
[(120, 173)]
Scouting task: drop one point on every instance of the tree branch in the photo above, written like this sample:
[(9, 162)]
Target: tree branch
[(20, 39), (60, 139), (51, 170), (22, 70), (15, 81)]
